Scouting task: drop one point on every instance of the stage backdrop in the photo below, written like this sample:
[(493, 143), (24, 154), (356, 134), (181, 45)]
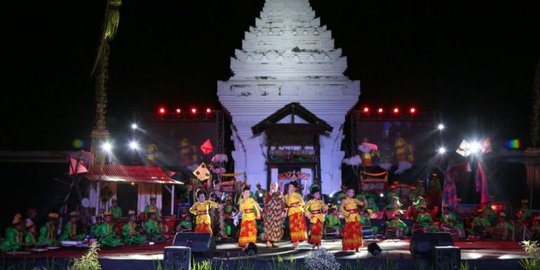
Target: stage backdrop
[(175, 145), (405, 148)]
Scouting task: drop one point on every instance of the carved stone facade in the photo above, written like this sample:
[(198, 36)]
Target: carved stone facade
[(287, 57)]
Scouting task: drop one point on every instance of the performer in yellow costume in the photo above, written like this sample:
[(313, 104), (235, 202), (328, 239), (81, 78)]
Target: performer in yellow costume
[(316, 210), (352, 231), (203, 223), (297, 222), (250, 210)]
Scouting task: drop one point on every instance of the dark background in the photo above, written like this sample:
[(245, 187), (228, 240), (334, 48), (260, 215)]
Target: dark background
[(470, 63)]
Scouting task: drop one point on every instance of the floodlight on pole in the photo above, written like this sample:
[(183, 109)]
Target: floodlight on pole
[(134, 126)]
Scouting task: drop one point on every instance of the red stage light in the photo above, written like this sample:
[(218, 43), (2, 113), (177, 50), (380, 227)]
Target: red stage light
[(396, 110), (413, 110), (178, 110), (380, 110), (208, 110), (194, 110), (366, 109), (162, 110)]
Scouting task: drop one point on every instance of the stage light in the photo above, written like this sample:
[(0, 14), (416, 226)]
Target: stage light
[(193, 110), (374, 249), (208, 110), (441, 126), (441, 150), (412, 110), (178, 111), (366, 109), (381, 195), (107, 147), (134, 126), (475, 147), (396, 110), (331, 195), (380, 110), (162, 110), (133, 145), (260, 195)]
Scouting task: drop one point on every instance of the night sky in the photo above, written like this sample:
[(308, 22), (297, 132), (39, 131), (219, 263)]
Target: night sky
[(470, 63)]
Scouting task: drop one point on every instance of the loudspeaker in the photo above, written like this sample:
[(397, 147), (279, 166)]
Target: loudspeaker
[(198, 242), (422, 243), (374, 249), (177, 257), (445, 257)]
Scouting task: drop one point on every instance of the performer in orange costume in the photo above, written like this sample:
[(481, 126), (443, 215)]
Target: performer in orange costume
[(203, 224), (316, 211), (250, 210), (352, 231), (297, 222)]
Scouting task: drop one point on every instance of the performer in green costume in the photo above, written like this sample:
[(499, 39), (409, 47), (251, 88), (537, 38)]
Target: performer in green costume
[(130, 231), (105, 232), (14, 235), (115, 210), (48, 235), (152, 227), (70, 231)]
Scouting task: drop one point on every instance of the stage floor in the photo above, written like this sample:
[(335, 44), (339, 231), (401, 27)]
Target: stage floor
[(393, 249), (478, 255)]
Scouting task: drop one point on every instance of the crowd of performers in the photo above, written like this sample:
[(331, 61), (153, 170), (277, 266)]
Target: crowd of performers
[(270, 216), (110, 229), (246, 217)]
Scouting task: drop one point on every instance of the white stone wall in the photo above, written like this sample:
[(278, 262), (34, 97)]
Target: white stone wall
[(287, 57)]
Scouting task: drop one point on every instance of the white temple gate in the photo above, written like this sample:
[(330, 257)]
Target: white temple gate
[(287, 57)]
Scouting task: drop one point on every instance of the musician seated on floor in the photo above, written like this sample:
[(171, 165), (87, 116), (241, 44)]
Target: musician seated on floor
[(185, 221), (48, 235), (333, 222), (131, 231), (481, 226), (72, 230), (503, 228), (424, 221), (105, 232), (14, 235), (153, 229), (396, 228), (450, 224)]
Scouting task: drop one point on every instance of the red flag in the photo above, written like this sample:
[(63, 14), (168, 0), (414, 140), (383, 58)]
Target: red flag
[(207, 147), (76, 167)]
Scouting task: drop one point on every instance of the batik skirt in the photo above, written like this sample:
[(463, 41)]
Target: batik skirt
[(315, 233), (248, 233), (297, 227), (352, 235)]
